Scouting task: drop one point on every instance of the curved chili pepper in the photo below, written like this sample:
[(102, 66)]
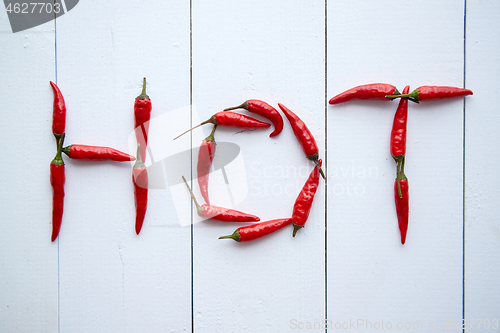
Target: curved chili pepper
[(142, 113), (265, 110), (254, 231), (94, 153), (140, 180), (205, 158), (231, 119), (59, 111), (220, 213), (304, 201), (367, 91), (304, 136), (57, 180), (398, 133), (427, 93), (402, 205)]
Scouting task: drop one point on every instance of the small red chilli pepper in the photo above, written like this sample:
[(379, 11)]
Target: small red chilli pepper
[(220, 213), (258, 230), (59, 112), (402, 206), (304, 137), (94, 153), (265, 110), (140, 180), (428, 93), (367, 91), (205, 157), (398, 134), (57, 180), (304, 201), (142, 113), (231, 119)]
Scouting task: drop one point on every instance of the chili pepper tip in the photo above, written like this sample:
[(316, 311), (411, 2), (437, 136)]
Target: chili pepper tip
[(296, 228)]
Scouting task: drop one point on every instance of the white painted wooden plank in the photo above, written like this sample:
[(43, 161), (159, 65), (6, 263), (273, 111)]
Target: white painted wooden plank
[(111, 279), (271, 51), (28, 265), (371, 276), (482, 236)]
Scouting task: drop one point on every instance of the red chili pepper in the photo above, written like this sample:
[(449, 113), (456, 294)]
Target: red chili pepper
[(402, 206), (427, 93), (220, 213), (57, 180), (304, 136), (398, 151), (142, 113), (367, 91), (140, 180), (205, 158), (398, 134), (265, 110), (254, 231), (231, 119), (59, 112), (83, 152), (304, 201)]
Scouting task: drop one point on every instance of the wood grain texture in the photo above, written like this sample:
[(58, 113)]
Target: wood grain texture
[(482, 229)]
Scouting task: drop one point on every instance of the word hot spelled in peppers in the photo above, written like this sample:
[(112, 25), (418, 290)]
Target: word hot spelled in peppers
[(220, 213), (265, 110), (57, 175), (304, 137), (142, 114), (140, 181), (304, 201), (205, 157), (398, 152)]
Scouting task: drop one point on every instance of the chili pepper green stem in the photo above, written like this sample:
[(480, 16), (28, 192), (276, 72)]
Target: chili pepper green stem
[(413, 96), (138, 162), (143, 94), (198, 207), (296, 228), (235, 235), (244, 105), (320, 170), (59, 141), (314, 158), (212, 120), (211, 136), (400, 165)]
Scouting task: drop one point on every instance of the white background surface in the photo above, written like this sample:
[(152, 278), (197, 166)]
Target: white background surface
[(347, 265)]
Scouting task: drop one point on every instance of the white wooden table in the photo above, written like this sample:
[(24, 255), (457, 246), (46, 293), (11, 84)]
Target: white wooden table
[(347, 265)]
